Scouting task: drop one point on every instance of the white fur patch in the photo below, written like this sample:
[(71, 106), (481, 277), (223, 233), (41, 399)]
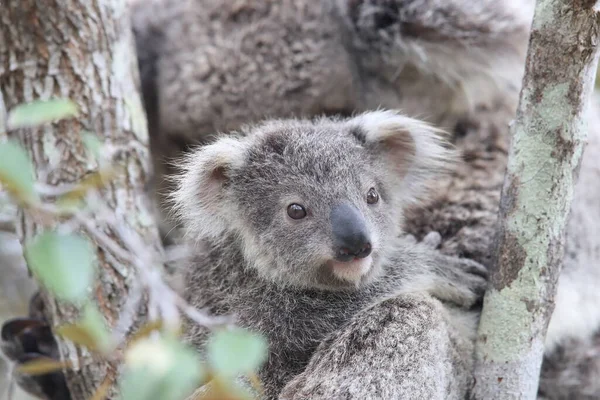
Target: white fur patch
[(433, 154), (352, 271), (198, 201), (577, 312)]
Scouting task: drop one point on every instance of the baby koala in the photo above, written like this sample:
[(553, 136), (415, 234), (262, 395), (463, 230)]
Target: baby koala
[(298, 229)]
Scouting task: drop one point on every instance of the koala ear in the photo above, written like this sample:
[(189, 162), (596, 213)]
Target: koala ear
[(411, 153), (200, 200)]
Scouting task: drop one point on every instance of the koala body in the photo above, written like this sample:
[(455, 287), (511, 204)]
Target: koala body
[(298, 228), (434, 58)]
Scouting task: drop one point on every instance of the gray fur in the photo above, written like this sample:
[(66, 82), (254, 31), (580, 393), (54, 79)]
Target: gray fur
[(210, 66), (275, 273), (406, 347), (242, 57), (215, 65)]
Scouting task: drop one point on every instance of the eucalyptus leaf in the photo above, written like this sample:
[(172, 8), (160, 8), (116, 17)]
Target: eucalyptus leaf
[(64, 264), (93, 321), (16, 172), (160, 368), (236, 352), (230, 389), (93, 180), (78, 335), (92, 143), (41, 111), (42, 365), (90, 331)]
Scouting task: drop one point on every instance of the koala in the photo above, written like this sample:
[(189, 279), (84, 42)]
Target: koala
[(431, 57), (210, 66), (571, 365), (296, 226), (298, 230)]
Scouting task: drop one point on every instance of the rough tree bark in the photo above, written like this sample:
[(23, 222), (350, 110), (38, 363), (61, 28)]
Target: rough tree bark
[(82, 50), (547, 144)]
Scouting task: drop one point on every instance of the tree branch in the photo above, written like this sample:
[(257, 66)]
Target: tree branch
[(82, 50), (547, 144)]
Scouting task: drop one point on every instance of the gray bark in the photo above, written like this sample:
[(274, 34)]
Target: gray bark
[(82, 50), (547, 144)]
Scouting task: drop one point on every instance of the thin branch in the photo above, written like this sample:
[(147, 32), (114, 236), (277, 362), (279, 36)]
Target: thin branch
[(201, 318), (128, 312)]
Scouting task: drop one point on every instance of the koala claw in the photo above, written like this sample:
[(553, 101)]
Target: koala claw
[(463, 282), (409, 238), (27, 339), (472, 267), (432, 239)]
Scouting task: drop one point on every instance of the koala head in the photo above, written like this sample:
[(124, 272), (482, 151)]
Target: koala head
[(314, 204)]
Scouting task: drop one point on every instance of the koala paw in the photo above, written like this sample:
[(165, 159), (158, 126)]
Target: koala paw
[(409, 238), (461, 281), (27, 339), (432, 240)]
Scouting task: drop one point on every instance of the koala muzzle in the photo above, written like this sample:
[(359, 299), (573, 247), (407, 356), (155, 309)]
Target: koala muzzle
[(351, 237)]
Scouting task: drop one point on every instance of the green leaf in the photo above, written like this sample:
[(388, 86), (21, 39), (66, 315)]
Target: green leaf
[(42, 365), (229, 389), (77, 334), (160, 369), (145, 331), (94, 323), (93, 180), (64, 264), (41, 111), (16, 172), (236, 351), (92, 143), (90, 331), (102, 390), (69, 204)]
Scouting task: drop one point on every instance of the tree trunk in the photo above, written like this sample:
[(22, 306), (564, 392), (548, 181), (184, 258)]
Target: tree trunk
[(547, 144), (82, 50)]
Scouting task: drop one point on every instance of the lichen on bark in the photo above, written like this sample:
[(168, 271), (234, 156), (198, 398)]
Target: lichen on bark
[(548, 138)]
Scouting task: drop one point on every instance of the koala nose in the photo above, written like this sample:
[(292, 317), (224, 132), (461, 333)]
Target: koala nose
[(351, 238), (361, 250)]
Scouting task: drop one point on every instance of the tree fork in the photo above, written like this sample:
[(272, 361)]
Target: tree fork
[(81, 50), (548, 139)]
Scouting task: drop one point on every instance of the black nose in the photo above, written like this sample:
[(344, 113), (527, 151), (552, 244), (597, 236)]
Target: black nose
[(351, 238)]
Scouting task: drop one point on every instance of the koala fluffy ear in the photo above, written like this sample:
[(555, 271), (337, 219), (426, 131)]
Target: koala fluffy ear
[(200, 200), (412, 153)]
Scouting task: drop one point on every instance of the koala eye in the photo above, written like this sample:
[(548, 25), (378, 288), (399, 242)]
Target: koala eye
[(372, 196), (296, 211)]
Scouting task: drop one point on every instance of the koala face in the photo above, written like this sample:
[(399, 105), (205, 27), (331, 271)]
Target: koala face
[(315, 204), (311, 207)]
